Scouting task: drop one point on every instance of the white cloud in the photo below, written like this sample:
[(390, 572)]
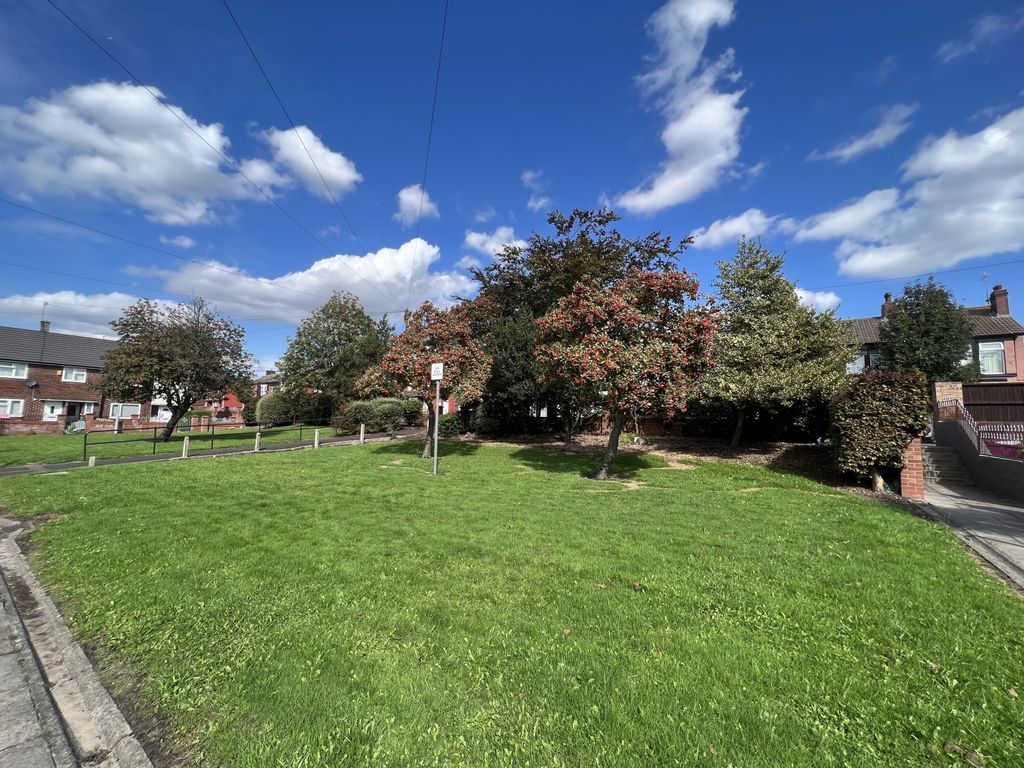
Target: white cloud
[(986, 30), (895, 120), (534, 183), (181, 241), (962, 198), (468, 261), (751, 223), (115, 141), (69, 311), (414, 203), (818, 300), (490, 243), (702, 132), (338, 171), (484, 215)]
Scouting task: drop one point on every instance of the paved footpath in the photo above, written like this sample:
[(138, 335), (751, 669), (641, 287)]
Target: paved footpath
[(991, 525), (31, 734)]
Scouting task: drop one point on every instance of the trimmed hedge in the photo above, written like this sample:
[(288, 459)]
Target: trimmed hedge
[(382, 414), (412, 411), (449, 425), (874, 416), (273, 408)]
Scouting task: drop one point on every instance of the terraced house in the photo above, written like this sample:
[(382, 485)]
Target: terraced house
[(998, 345), (49, 380)]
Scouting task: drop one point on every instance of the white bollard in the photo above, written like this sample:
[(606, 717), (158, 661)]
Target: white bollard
[(257, 449), (316, 438), (92, 461), (362, 434), (184, 448)]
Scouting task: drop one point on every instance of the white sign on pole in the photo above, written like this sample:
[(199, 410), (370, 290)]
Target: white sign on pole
[(436, 371)]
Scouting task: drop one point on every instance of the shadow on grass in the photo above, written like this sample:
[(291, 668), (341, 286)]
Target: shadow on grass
[(626, 465), (414, 448)]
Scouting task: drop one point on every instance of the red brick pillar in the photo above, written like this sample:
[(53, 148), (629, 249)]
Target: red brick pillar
[(912, 474)]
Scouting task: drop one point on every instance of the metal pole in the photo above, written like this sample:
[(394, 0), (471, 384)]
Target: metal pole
[(437, 419), (85, 445), (213, 433), (154, 440)]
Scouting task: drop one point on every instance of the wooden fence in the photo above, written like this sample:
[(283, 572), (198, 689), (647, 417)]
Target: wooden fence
[(995, 402)]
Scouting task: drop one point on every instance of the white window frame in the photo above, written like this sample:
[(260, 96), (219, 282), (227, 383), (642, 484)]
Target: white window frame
[(72, 375), (990, 347), (10, 370), (11, 408), (856, 365), (126, 410), (88, 409)]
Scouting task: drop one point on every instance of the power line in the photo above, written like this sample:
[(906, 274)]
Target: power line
[(919, 276), (231, 163), (433, 112)]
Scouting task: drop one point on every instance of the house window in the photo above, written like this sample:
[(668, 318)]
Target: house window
[(9, 408), (124, 410), (992, 357), (874, 358), (856, 365), (9, 370), (88, 408), (73, 374)]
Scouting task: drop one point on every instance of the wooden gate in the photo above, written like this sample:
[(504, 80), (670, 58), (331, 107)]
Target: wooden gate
[(1002, 403)]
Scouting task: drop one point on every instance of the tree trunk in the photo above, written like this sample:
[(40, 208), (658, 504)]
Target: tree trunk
[(877, 484), (176, 414), (613, 445), (429, 442), (568, 423), (741, 415)]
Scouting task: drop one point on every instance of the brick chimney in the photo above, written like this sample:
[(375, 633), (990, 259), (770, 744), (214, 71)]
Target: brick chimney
[(887, 305), (999, 300), (44, 325)]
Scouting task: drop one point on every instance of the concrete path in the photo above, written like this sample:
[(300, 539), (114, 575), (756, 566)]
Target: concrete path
[(991, 525)]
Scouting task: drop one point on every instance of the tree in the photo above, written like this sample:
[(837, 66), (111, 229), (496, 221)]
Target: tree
[(639, 341), (525, 283), (770, 350), (925, 330), (332, 348), (432, 335), (181, 353), (874, 416)]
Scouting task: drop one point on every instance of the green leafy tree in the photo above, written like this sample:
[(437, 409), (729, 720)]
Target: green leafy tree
[(771, 351), (874, 417), (432, 335), (642, 341), (525, 283), (332, 348), (925, 330), (181, 353)]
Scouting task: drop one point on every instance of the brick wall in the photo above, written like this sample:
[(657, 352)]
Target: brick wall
[(50, 388), (949, 390), (912, 474)]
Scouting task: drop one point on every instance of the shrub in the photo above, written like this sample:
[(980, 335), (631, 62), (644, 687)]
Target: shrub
[(874, 416), (273, 408), (358, 412), (449, 424), (412, 411), (386, 414)]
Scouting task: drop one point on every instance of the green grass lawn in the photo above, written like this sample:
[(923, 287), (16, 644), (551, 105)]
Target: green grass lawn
[(16, 450), (345, 608)]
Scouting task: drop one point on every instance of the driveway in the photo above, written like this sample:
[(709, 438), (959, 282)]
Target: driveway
[(991, 525)]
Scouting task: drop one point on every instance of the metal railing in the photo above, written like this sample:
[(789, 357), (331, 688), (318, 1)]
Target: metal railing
[(205, 437), (1005, 441)]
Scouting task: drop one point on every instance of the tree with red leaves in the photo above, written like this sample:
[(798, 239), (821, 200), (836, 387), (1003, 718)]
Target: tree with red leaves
[(643, 341), (432, 335)]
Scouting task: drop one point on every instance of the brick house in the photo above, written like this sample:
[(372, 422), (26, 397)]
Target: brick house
[(48, 380), (998, 345)]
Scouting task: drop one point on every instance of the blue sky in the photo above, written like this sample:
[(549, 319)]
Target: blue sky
[(870, 141)]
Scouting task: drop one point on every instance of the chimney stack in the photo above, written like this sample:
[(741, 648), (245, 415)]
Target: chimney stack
[(887, 305), (999, 300), (270, 371), (44, 326)]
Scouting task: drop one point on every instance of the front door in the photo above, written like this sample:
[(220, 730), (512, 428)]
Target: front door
[(52, 410)]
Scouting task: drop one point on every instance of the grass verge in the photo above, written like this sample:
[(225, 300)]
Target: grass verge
[(345, 608)]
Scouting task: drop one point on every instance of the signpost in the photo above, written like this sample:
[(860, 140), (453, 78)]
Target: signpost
[(436, 374)]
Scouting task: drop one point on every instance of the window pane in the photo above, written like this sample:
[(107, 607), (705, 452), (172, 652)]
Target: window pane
[(9, 370), (856, 366), (992, 357)]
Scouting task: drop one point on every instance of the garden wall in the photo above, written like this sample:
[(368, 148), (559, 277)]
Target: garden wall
[(1002, 476)]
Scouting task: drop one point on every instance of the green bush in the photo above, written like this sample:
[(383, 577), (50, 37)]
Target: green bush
[(483, 422), (412, 411), (874, 416), (358, 412), (273, 408), (449, 425), (386, 414)]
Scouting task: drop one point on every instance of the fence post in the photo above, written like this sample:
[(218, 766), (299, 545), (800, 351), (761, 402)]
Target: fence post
[(184, 448), (85, 445), (316, 438), (257, 448), (213, 432), (362, 434), (300, 432), (154, 440), (92, 461)]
